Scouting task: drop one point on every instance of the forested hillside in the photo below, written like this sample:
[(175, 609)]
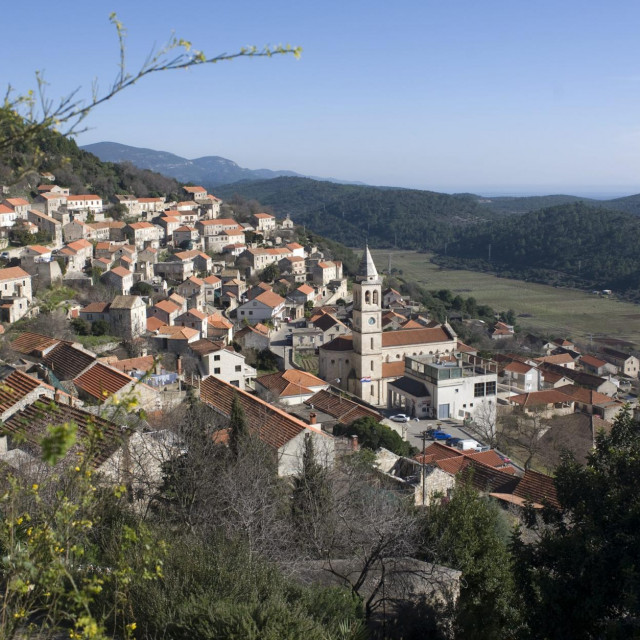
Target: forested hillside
[(81, 171), (572, 244), (405, 218), (513, 205)]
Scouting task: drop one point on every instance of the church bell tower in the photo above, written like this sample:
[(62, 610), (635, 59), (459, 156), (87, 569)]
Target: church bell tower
[(367, 331)]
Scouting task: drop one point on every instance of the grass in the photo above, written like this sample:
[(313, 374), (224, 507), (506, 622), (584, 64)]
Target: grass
[(95, 341), (307, 362), (549, 310)]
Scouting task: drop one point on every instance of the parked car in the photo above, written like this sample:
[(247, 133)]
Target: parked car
[(441, 435), (482, 449), (452, 442), (400, 417), (4, 255)]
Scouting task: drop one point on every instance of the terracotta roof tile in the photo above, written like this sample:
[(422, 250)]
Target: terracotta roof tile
[(66, 361), (33, 343), (31, 424), (343, 409), (537, 488), (414, 336), (101, 381), (272, 425), (15, 387), (12, 273)]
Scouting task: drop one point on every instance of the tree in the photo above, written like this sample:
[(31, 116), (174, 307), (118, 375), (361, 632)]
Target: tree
[(484, 422), (581, 578), (270, 273), (373, 435), (470, 534), (142, 288), (99, 328), (311, 499), (521, 433), (238, 427)]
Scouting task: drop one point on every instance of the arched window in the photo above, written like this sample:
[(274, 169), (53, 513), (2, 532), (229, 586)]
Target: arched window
[(375, 297), (372, 343), (372, 365), (367, 297)]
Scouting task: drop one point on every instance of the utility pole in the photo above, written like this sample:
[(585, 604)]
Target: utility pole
[(424, 447)]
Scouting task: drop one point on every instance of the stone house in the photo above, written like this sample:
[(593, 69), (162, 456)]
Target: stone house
[(253, 337), (186, 237), (143, 234), (128, 316), (85, 203), (212, 287), (15, 294), (175, 270), (264, 223), (46, 225), (19, 205), (166, 311), (147, 205), (118, 278), (266, 306), (194, 319), (52, 202), (627, 364)]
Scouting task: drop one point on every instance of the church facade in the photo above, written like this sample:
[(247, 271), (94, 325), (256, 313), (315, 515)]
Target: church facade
[(364, 362)]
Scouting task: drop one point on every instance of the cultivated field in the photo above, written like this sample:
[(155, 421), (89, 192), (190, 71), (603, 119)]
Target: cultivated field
[(562, 312)]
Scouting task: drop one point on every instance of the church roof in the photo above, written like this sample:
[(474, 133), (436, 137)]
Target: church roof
[(367, 269)]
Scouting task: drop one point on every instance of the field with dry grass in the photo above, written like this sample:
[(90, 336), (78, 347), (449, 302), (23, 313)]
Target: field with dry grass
[(541, 308)]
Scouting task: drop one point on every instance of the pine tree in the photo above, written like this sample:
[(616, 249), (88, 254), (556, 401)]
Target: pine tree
[(311, 498), (238, 428)]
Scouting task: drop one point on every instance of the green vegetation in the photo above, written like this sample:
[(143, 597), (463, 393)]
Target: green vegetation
[(539, 308), (571, 245), (350, 213), (580, 578), (471, 534), (374, 435)]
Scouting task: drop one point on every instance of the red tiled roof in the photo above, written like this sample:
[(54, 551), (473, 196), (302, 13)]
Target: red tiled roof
[(519, 367), (15, 387), (154, 324), (12, 273), (559, 358), (540, 398), (101, 381), (305, 288), (120, 271), (414, 336), (96, 307), (272, 425), (345, 410), (592, 361), (143, 363), (33, 343), (584, 396), (393, 369), (262, 216), (341, 343), (537, 488), (167, 305), (66, 361), (270, 299), (31, 424), (291, 382)]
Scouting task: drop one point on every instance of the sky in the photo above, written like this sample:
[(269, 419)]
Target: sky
[(494, 97)]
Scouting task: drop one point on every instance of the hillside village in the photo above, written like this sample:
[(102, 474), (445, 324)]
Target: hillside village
[(174, 302), (222, 302)]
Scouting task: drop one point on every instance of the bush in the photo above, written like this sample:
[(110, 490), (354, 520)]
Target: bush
[(374, 435), (99, 328)]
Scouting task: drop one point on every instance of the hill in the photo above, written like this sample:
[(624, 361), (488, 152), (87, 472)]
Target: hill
[(513, 205), (387, 217), (574, 244), (83, 172), (209, 171)]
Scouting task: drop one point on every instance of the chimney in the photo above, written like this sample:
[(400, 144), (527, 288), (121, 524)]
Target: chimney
[(312, 418), (354, 443)]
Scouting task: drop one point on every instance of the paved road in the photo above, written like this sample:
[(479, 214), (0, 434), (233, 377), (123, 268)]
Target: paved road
[(412, 431)]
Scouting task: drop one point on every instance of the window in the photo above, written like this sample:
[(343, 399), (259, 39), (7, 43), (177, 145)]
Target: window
[(372, 365), (238, 367), (478, 390), (367, 297), (372, 343), (375, 297), (491, 389), (217, 358), (216, 370)]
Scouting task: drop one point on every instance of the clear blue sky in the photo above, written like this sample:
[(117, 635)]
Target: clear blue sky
[(457, 95)]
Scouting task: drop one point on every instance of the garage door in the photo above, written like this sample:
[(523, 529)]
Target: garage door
[(443, 411)]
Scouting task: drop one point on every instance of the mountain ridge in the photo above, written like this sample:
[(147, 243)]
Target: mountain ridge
[(209, 171)]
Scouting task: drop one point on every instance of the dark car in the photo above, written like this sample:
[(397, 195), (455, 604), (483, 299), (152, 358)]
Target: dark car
[(452, 442)]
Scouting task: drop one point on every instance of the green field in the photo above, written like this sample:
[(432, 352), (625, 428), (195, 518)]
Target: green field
[(557, 311)]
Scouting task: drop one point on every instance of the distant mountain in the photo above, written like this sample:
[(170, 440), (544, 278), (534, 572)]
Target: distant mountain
[(387, 217), (209, 171)]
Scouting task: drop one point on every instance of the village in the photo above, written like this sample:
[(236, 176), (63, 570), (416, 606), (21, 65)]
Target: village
[(143, 324), (189, 306)]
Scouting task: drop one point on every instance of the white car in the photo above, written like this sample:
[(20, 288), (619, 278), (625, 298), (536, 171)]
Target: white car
[(401, 417)]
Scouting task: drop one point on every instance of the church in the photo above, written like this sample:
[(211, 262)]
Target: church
[(365, 362)]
